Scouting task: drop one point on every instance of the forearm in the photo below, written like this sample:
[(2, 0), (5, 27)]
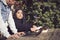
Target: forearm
[(12, 24), (3, 28)]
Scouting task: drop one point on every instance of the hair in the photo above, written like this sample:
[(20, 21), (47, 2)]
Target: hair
[(16, 10), (15, 17)]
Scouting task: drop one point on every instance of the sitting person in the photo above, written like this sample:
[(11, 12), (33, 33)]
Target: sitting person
[(21, 24)]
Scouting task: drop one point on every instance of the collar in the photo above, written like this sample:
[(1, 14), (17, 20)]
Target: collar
[(4, 1)]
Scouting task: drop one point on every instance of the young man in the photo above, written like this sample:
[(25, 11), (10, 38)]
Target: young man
[(7, 19)]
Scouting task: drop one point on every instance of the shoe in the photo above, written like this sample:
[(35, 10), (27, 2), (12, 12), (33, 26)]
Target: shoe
[(45, 31), (38, 31), (42, 30)]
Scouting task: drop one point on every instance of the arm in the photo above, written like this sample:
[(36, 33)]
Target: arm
[(3, 27), (11, 23)]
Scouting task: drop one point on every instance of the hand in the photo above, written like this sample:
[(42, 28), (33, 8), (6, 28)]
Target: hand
[(20, 33), (33, 29), (14, 36)]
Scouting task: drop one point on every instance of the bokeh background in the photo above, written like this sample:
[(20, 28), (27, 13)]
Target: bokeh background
[(42, 12)]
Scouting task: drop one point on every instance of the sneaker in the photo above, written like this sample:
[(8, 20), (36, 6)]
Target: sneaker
[(38, 31)]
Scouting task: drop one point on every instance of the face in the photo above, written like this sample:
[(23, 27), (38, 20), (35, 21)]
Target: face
[(19, 14), (10, 2)]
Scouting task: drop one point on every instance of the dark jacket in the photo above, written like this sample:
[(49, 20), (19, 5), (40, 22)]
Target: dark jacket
[(21, 24)]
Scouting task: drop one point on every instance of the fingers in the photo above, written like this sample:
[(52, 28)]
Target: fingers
[(17, 35), (21, 33), (14, 36), (33, 29)]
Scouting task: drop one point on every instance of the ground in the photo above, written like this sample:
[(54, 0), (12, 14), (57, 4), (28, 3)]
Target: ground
[(52, 34)]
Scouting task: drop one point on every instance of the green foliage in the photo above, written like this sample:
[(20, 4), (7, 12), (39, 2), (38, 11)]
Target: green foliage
[(44, 12)]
